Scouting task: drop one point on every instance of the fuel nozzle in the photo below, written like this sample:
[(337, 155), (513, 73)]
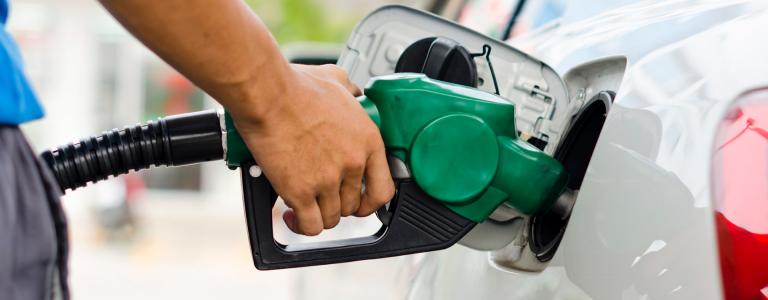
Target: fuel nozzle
[(455, 156), (461, 146)]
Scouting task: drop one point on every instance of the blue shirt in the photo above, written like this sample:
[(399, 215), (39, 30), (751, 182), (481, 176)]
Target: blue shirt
[(18, 103)]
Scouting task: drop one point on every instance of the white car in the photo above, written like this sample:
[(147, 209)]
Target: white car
[(658, 109)]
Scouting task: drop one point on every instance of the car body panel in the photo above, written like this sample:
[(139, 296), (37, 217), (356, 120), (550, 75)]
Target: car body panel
[(643, 223)]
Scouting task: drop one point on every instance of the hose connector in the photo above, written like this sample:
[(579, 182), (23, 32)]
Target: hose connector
[(171, 141)]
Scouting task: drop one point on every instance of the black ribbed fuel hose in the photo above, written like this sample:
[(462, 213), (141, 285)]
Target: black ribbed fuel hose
[(171, 141)]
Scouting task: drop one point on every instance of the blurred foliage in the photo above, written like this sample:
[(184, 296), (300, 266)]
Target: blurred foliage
[(304, 20)]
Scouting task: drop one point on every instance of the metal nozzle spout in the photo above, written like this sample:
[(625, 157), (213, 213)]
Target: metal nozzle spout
[(564, 204)]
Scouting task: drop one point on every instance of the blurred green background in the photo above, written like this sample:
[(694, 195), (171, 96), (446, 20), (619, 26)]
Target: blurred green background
[(305, 20)]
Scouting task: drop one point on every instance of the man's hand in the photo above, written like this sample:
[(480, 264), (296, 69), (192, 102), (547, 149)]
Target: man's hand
[(315, 143), (313, 140)]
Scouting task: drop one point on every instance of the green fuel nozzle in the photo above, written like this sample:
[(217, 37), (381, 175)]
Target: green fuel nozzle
[(461, 145), (458, 145)]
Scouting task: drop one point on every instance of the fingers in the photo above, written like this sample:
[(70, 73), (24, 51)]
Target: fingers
[(330, 206), (351, 189), (310, 216), (305, 218), (379, 187)]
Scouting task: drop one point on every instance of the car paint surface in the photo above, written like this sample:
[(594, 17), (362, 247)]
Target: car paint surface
[(643, 223)]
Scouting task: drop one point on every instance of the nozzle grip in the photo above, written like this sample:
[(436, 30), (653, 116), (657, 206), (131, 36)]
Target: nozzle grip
[(415, 223)]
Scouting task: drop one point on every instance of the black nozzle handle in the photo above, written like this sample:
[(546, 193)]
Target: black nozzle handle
[(171, 141), (413, 223)]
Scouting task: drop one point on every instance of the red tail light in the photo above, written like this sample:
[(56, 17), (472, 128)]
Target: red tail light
[(741, 197)]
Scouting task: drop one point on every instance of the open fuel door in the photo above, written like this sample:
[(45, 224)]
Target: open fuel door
[(378, 42)]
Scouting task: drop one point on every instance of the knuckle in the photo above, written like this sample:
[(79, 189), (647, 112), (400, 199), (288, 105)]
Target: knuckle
[(354, 163), (299, 203), (329, 180), (300, 194), (336, 70), (330, 66)]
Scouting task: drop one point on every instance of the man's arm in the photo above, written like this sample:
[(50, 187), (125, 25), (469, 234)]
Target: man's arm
[(302, 124)]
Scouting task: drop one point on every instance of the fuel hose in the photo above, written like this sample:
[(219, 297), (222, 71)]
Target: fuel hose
[(170, 141)]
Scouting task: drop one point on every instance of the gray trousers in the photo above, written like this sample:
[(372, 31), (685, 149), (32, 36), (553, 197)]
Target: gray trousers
[(33, 229)]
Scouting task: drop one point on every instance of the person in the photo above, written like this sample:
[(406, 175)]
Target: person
[(302, 124)]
